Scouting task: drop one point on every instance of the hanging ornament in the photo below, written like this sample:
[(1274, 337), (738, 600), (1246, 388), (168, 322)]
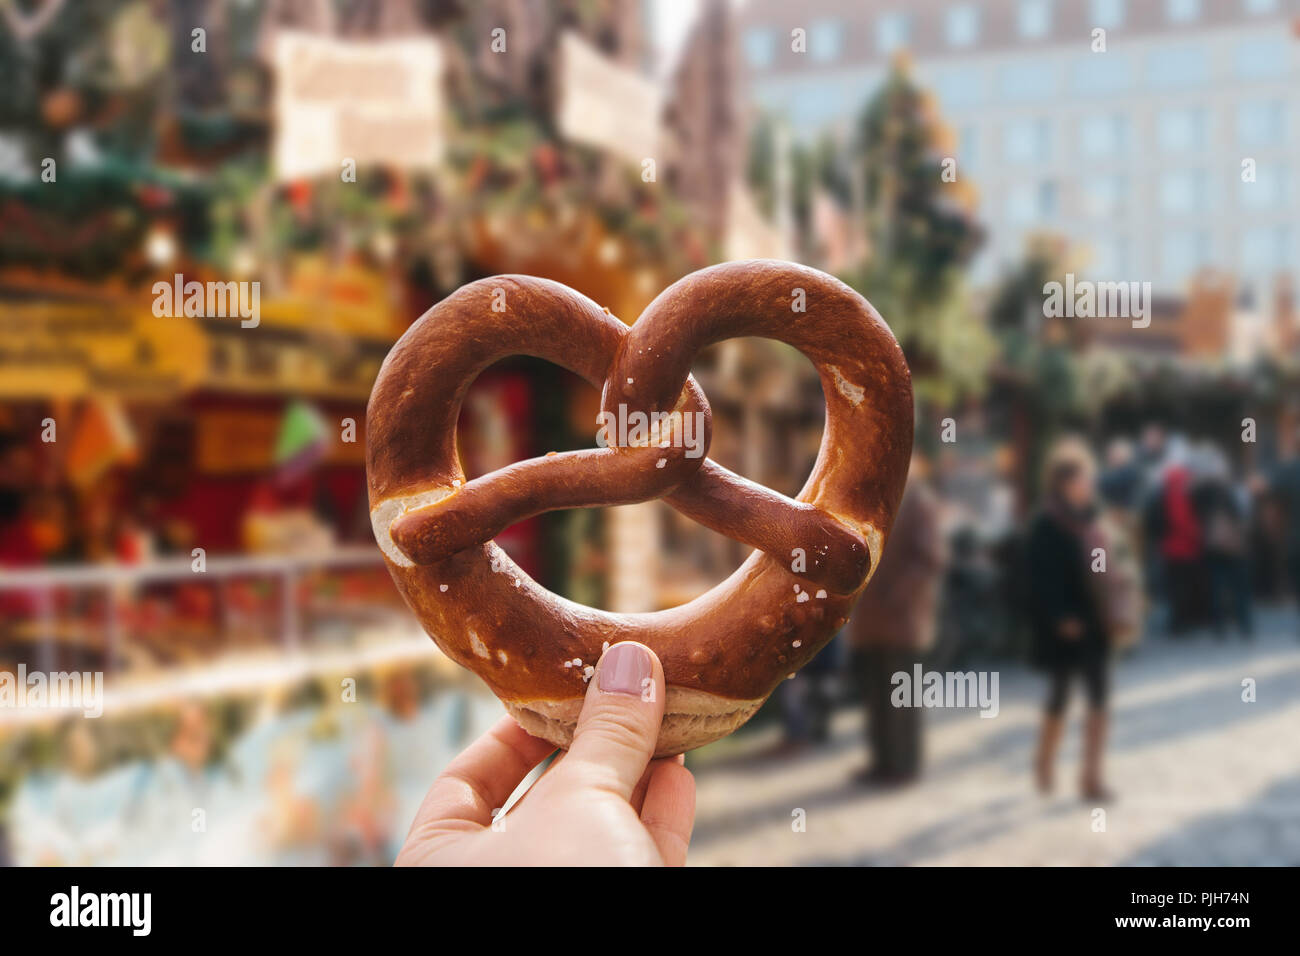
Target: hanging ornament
[(546, 159), (61, 108), (160, 246), (383, 245), (242, 261), (300, 196), (137, 46), (152, 196), (398, 194)]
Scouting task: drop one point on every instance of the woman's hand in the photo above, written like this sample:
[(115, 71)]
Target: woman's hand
[(603, 803)]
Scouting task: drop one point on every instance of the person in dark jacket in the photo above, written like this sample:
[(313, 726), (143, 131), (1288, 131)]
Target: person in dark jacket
[(1223, 509), (1067, 610), (1286, 491), (893, 626)]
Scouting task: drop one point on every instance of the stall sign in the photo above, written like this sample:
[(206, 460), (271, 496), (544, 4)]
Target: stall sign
[(371, 102), (72, 350), (235, 441), (606, 105), (345, 298)]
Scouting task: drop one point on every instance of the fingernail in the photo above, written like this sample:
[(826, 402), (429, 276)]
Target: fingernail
[(624, 669)]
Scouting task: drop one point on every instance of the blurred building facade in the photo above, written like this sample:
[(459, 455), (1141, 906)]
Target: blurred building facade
[(1134, 151), (703, 116)]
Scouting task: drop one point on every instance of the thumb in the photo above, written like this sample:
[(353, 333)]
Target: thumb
[(619, 724)]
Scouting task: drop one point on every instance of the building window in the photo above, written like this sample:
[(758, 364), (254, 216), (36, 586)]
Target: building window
[(1268, 191), (1181, 129), (1047, 200), (1104, 196), (960, 88), (1261, 123), (1260, 58), (1034, 18), (1183, 252), (760, 47), (826, 40), (1182, 11), (1184, 192), (1027, 80), (1178, 67), (1031, 203), (814, 106), (962, 25), (1026, 141), (1103, 136), (1020, 205), (1264, 250), (1093, 75), (1109, 259), (1107, 13), (892, 32)]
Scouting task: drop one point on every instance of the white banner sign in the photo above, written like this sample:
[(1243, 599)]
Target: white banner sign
[(606, 105), (371, 102)]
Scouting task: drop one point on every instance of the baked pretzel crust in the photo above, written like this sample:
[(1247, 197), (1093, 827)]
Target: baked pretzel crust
[(724, 652)]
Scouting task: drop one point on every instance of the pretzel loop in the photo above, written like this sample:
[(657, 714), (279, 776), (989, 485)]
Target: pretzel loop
[(724, 652), (471, 513), (817, 533)]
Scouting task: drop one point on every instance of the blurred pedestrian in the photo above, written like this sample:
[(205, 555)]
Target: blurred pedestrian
[(1121, 484), (893, 625), (1152, 449), (1068, 611), (1268, 540), (807, 701), (1181, 544), (1222, 507), (1121, 488), (1286, 487), (1151, 460)]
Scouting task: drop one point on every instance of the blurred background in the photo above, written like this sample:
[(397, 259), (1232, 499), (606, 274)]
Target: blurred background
[(361, 160)]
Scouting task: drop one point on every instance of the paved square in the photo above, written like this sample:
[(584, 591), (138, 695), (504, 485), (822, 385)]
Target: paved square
[(1203, 778)]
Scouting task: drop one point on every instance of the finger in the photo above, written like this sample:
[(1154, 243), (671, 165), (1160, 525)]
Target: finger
[(482, 778), (619, 724), (638, 792), (669, 810)]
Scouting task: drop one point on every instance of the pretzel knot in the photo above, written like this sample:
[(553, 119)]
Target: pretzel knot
[(724, 652)]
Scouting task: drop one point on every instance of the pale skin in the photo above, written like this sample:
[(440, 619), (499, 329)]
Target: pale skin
[(603, 803)]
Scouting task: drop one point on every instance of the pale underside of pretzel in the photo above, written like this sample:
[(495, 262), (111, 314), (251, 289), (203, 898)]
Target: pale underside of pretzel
[(724, 652)]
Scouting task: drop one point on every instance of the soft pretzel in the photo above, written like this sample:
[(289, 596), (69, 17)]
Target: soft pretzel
[(724, 652)]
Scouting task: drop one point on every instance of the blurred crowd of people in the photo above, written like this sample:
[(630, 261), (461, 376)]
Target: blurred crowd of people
[(1160, 536)]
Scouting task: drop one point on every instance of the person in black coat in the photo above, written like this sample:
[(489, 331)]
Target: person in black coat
[(1223, 510), (1067, 612)]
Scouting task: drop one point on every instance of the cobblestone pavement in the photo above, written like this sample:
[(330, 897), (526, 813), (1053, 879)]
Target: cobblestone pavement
[(1202, 777)]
